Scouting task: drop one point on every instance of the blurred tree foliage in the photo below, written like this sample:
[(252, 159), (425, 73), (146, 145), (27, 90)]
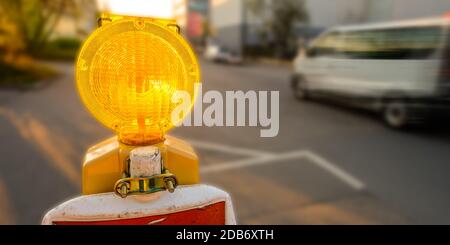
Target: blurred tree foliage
[(285, 14), (27, 25), (279, 18)]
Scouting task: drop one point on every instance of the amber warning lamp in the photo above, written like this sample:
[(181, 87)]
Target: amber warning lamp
[(127, 72)]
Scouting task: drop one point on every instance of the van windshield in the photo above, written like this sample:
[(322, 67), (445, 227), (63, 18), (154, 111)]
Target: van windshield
[(393, 43)]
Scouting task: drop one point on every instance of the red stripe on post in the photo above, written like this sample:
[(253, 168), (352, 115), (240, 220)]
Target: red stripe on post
[(213, 214)]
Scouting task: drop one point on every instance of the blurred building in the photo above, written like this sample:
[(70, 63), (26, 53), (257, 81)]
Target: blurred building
[(76, 26), (78, 21), (234, 25), (227, 23), (180, 12), (388, 10), (192, 16)]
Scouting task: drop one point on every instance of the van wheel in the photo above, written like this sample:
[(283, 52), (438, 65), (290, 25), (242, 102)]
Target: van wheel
[(396, 114), (299, 88)]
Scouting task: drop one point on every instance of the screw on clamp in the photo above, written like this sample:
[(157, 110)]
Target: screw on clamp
[(170, 184), (122, 189)]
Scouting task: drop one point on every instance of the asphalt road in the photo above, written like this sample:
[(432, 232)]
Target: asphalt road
[(328, 165)]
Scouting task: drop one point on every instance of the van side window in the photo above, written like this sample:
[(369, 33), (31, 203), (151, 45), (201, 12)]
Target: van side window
[(393, 43), (325, 45)]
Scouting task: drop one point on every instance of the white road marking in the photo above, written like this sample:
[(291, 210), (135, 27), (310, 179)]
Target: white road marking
[(335, 170), (228, 149), (224, 166), (262, 158)]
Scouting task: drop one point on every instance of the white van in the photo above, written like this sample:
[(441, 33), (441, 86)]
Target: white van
[(398, 68)]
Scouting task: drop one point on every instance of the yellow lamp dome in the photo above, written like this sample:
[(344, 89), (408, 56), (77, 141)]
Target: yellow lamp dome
[(127, 72)]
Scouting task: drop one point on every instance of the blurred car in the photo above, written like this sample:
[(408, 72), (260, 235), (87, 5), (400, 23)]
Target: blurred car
[(223, 55), (400, 69)]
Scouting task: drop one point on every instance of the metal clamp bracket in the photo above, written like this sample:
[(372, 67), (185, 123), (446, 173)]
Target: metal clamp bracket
[(146, 185)]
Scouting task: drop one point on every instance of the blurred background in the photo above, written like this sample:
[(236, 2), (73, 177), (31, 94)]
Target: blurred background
[(364, 88)]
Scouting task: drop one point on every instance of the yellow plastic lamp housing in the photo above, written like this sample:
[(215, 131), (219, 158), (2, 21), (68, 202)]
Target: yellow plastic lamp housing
[(127, 72)]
